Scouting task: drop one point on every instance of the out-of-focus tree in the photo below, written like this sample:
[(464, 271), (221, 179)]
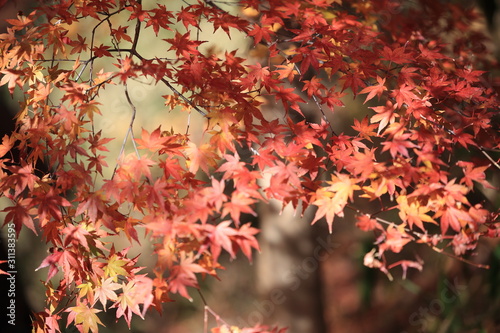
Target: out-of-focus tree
[(406, 167)]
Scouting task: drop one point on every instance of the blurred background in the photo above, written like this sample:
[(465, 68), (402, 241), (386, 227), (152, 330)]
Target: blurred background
[(304, 277)]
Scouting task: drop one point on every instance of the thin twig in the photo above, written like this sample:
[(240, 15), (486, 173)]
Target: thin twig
[(129, 132), (315, 99), (131, 126), (489, 158)]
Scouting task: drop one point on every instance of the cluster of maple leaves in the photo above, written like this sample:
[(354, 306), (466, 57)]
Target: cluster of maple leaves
[(426, 141)]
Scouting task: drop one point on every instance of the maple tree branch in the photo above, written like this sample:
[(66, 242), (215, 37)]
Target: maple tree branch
[(92, 56), (315, 99), (481, 149), (213, 5), (137, 31), (202, 297), (168, 84), (205, 319), (421, 237), (114, 41), (441, 251), (489, 158), (79, 75), (216, 316), (165, 81), (184, 98), (130, 131), (132, 120)]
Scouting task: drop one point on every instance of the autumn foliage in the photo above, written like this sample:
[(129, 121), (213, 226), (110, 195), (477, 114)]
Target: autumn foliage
[(419, 149)]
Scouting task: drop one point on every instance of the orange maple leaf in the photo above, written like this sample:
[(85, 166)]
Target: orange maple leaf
[(202, 157)]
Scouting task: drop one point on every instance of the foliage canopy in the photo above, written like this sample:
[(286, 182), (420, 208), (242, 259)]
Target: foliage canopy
[(424, 144)]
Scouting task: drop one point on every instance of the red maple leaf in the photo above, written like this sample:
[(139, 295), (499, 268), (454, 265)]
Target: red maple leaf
[(240, 203), (313, 86), (183, 275), (101, 51), (154, 141), (395, 239), (377, 89), (472, 173), (19, 215), (404, 95), (385, 115)]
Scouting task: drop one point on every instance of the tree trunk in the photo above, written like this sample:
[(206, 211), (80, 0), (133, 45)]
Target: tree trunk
[(288, 271)]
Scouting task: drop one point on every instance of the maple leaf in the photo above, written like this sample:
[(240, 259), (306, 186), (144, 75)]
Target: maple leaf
[(430, 54), (225, 21), (183, 45), (328, 207), (260, 33), (399, 144), (366, 223), (353, 80), (96, 143), (221, 237), (120, 33), (87, 290), (79, 45), (49, 204), (404, 95), (159, 18), (432, 102), (289, 99), (7, 144), (13, 78), (397, 55), (93, 205), (188, 18), (101, 51), (362, 164), (412, 212), (89, 109), (364, 128), (84, 316), (64, 258), (313, 86), (215, 194), (137, 291), (19, 215), (455, 218), (476, 174), (246, 240), (407, 75), (232, 166), (172, 168), (136, 166), (332, 98), (289, 173), (343, 186), (332, 199), (396, 239), (115, 267), (77, 235), (154, 141), (240, 202), (183, 275), (385, 115), (202, 157), (377, 89), (287, 71)]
